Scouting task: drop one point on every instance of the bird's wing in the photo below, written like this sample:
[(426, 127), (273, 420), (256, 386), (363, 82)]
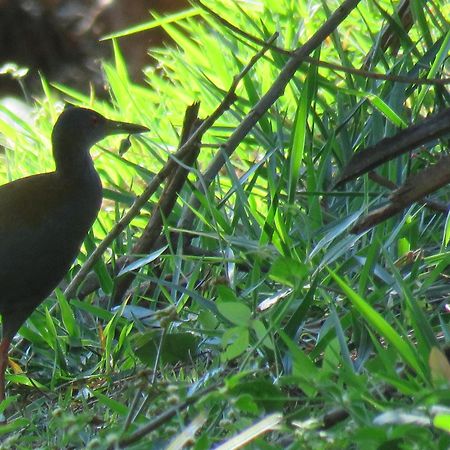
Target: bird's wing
[(26, 202)]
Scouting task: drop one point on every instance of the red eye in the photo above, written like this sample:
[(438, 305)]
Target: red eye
[(95, 120)]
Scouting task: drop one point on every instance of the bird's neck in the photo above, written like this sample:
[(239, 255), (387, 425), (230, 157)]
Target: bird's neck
[(73, 162)]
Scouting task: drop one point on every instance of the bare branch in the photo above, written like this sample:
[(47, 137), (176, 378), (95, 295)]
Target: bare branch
[(170, 166)]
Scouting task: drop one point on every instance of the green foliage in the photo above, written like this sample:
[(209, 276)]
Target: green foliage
[(285, 311)]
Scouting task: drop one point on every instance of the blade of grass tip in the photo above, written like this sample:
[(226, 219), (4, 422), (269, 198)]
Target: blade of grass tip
[(94, 311), (50, 336), (372, 252), (110, 333), (446, 235), (376, 320), (282, 239), (268, 225), (117, 85), (70, 93), (67, 315), (345, 353), (386, 110), (157, 22), (126, 330), (55, 344), (49, 96), (120, 65)]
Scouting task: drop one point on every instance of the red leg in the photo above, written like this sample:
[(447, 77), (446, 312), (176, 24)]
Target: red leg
[(4, 347)]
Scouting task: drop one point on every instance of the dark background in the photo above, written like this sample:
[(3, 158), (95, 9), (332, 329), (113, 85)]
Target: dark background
[(60, 39)]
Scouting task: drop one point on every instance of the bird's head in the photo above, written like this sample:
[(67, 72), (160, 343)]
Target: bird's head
[(86, 127), (77, 130)]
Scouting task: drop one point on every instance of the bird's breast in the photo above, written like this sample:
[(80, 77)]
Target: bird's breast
[(43, 224)]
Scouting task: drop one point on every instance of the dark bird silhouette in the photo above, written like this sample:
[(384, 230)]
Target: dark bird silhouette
[(44, 219)]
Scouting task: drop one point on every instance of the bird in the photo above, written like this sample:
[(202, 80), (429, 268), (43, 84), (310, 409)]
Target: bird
[(44, 219)]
